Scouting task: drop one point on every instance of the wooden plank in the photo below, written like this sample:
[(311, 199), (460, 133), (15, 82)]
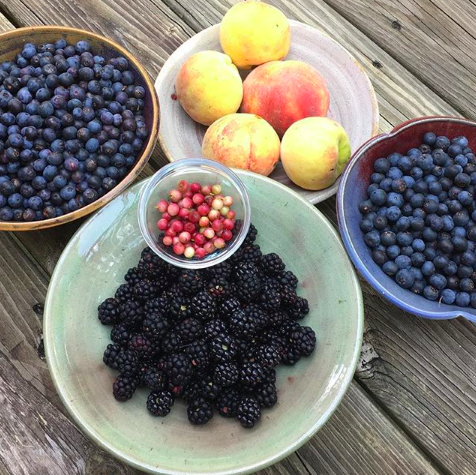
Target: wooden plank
[(433, 39)]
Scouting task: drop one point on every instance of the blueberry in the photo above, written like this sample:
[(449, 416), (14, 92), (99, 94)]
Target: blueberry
[(464, 271), (393, 251), (6, 213), (388, 238), (435, 187), (466, 285), (395, 199), (418, 245), (454, 150), (385, 184), (379, 257), (428, 268), (461, 160), (417, 200), (438, 281), (365, 206), (462, 299), (394, 173), (50, 172), (378, 197), (431, 293), (92, 145), (430, 206), (450, 269), (429, 139), (404, 278), (381, 165), (38, 183), (418, 286), (442, 142), (462, 180), (403, 223), (420, 186), (407, 209), (461, 218), (15, 200), (445, 246), (448, 296), (404, 238), (471, 233), (418, 259), (68, 192), (393, 213), (390, 268), (403, 262)]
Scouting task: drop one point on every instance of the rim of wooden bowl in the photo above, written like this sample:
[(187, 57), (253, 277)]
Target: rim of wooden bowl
[(141, 162)]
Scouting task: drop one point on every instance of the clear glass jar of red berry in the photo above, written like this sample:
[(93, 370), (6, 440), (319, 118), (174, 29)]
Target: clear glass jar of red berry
[(194, 213)]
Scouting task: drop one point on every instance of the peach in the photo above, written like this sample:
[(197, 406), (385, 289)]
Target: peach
[(243, 141), (253, 33), (314, 152), (283, 92), (208, 86)]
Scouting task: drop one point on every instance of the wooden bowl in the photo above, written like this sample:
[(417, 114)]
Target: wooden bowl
[(12, 42), (352, 98)]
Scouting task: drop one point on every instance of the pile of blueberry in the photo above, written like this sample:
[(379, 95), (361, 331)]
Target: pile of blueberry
[(420, 219), (71, 126)]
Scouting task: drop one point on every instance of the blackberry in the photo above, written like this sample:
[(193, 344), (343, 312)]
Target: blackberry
[(197, 352), (150, 265), (227, 307), (251, 253), (244, 269), (288, 297), (133, 276), (250, 235), (227, 402), (180, 308), (270, 283), (226, 374), (266, 395), (245, 346), (271, 264), (270, 299), (222, 348), (159, 403), (171, 343), (268, 355), (108, 312), (258, 315), (299, 309), (189, 282), (251, 373), (243, 324), (145, 290), (219, 288), (178, 369), (132, 313), (204, 306), (288, 280), (218, 271), (290, 356), (124, 387), (269, 376), (249, 412), (110, 356), (127, 363), (277, 341), (161, 280), (204, 387), (154, 379), (248, 287), (287, 327), (124, 293), (214, 328), (142, 346), (159, 304), (189, 329), (155, 326), (199, 411), (276, 318), (120, 334), (303, 341)]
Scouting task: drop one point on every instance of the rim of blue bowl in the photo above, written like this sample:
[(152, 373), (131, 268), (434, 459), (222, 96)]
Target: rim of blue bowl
[(205, 165), (348, 241), (91, 433)]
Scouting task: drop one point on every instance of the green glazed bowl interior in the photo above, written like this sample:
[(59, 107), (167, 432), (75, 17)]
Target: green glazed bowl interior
[(92, 267)]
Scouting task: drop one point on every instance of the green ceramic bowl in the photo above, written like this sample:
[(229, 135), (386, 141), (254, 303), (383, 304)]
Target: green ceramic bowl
[(91, 268)]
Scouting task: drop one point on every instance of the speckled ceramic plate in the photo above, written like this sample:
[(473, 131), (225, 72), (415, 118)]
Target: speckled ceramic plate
[(353, 102), (91, 268)]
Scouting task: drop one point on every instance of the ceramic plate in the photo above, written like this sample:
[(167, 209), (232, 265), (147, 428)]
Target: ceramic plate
[(92, 267), (352, 98)]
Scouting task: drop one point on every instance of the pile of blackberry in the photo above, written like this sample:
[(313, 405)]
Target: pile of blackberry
[(212, 337), (420, 219), (71, 127)]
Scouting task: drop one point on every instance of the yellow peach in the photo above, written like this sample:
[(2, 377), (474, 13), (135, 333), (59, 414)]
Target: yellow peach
[(314, 152), (253, 33), (243, 141), (208, 86)]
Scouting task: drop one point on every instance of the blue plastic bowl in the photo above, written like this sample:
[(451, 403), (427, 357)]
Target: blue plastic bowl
[(353, 189)]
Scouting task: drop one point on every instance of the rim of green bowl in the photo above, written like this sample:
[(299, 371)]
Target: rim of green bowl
[(90, 432)]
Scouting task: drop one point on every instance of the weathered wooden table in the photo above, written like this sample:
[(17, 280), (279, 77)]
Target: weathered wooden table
[(411, 408)]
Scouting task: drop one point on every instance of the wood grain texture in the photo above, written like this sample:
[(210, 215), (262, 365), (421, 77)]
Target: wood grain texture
[(434, 39)]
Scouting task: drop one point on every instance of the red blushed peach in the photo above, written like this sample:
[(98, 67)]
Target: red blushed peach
[(283, 92), (243, 141)]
